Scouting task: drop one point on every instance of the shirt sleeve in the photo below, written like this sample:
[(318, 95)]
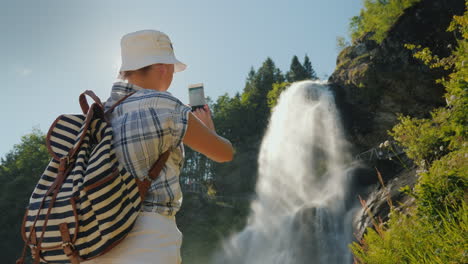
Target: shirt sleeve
[(180, 122), (171, 120)]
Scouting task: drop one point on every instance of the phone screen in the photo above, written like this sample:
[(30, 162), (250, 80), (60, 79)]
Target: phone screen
[(196, 96)]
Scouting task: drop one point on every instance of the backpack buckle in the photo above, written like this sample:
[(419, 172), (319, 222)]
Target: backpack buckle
[(70, 251), (68, 244), (64, 162), (34, 251), (67, 159), (33, 248)]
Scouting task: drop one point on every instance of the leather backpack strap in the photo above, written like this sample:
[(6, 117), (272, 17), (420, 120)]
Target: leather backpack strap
[(109, 111), (118, 102), (84, 104), (67, 245), (143, 185)]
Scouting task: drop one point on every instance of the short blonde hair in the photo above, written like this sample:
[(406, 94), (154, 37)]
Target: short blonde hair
[(125, 74)]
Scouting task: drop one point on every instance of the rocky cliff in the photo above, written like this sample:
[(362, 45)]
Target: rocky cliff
[(374, 82)]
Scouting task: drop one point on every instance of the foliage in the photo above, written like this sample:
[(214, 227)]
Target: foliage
[(443, 186), (421, 138), (299, 72), (296, 72), (19, 172), (427, 140), (433, 61), (435, 231), (416, 240), (377, 17), (204, 224), (274, 94), (254, 97), (309, 70), (228, 115), (341, 43)]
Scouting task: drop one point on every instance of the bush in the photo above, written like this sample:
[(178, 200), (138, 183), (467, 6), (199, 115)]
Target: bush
[(443, 187), (416, 240), (377, 17)]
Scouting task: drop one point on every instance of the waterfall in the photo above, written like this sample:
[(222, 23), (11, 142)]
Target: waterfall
[(302, 211)]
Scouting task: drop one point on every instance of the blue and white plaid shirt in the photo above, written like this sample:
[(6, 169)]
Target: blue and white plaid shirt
[(145, 125)]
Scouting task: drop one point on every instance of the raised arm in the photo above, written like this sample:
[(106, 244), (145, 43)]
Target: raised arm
[(203, 138)]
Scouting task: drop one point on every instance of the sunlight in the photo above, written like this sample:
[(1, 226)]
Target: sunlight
[(116, 63)]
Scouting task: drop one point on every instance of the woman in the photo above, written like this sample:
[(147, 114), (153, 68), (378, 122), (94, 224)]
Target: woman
[(146, 124)]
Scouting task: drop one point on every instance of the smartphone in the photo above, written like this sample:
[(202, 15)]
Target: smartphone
[(196, 96)]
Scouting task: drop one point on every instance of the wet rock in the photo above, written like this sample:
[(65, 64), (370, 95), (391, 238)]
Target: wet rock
[(379, 200)]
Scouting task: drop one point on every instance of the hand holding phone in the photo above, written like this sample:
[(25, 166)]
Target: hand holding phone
[(204, 114), (199, 107), (196, 96)]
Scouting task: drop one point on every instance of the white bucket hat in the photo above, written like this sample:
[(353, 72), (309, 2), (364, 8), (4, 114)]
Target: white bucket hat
[(146, 47)]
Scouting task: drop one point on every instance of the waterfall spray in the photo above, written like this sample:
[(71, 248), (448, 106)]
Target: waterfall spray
[(300, 214)]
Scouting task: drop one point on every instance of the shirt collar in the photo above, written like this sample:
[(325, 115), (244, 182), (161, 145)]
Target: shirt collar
[(121, 89)]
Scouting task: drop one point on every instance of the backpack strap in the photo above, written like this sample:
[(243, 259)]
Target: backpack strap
[(84, 103), (109, 111), (67, 244), (153, 173), (143, 185)]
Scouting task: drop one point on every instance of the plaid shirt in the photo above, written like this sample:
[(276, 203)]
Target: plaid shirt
[(145, 125)]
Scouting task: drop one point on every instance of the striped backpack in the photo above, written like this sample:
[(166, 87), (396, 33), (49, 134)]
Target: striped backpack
[(85, 202)]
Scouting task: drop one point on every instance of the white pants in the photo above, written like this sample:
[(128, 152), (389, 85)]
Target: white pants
[(154, 239)]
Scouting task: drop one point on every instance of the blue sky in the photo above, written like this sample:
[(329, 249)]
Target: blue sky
[(53, 50)]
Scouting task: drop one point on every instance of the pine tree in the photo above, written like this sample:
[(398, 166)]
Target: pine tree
[(249, 81), (296, 71), (259, 84), (310, 73)]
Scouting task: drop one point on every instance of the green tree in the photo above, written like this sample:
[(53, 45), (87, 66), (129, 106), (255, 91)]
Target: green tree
[(242, 119), (297, 71), (254, 98), (19, 172), (274, 94), (309, 71), (377, 17), (249, 81)]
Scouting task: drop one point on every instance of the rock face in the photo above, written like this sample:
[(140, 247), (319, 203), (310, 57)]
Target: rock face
[(373, 82)]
